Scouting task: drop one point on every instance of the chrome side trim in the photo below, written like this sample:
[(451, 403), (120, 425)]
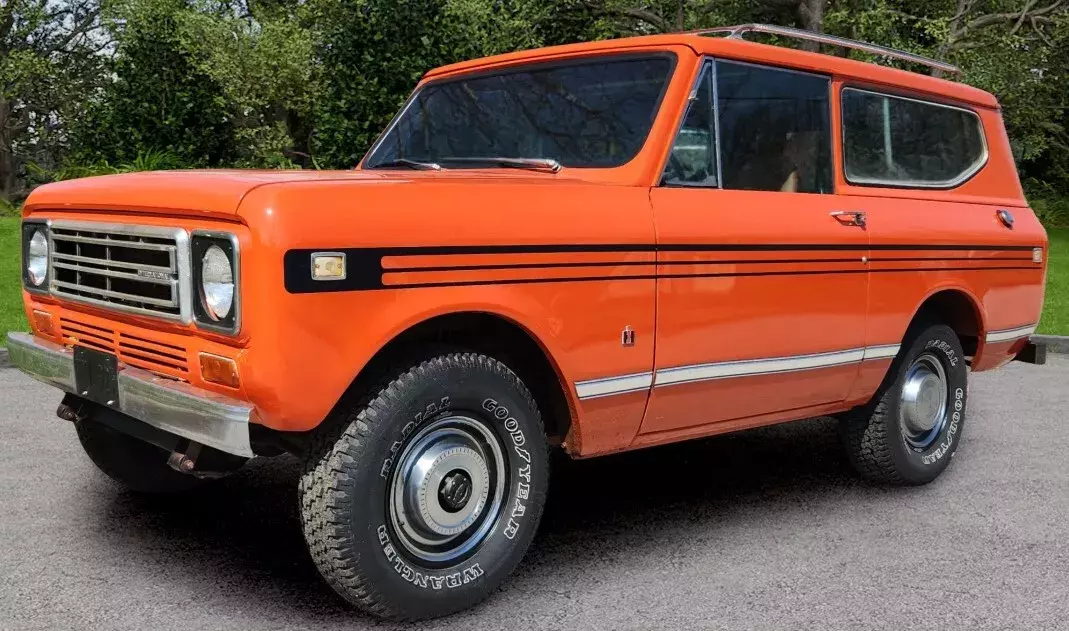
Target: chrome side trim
[(1006, 335), (594, 388), (607, 386), (753, 367), (882, 352), (172, 406)]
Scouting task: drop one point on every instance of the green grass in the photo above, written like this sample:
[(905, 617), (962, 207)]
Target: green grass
[(11, 315), (1056, 306)]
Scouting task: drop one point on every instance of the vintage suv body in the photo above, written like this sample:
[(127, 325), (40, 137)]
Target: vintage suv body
[(602, 246)]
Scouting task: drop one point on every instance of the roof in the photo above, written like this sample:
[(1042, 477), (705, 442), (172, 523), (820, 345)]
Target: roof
[(743, 50)]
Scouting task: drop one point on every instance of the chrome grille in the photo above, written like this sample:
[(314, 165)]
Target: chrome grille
[(141, 269)]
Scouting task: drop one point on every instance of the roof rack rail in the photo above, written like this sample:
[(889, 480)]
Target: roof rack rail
[(737, 32)]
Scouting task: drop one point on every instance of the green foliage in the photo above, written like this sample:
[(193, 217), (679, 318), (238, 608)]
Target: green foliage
[(144, 161), (97, 85), (159, 98)]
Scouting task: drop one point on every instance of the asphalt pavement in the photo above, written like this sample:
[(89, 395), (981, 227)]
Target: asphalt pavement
[(767, 529)]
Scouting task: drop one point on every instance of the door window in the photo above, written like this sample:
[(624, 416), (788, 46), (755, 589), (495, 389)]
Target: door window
[(755, 128), (775, 129)]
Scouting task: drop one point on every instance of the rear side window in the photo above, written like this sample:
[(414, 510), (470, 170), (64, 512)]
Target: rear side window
[(895, 141)]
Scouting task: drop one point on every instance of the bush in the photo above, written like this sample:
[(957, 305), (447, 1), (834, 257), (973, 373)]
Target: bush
[(1053, 212), (9, 208)]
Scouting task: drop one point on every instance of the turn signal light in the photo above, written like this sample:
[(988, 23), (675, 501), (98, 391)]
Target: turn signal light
[(220, 370), (42, 321)]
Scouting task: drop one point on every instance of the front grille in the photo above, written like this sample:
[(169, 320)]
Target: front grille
[(129, 268), (140, 351)]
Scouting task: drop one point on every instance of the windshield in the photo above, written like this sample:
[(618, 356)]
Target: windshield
[(588, 113)]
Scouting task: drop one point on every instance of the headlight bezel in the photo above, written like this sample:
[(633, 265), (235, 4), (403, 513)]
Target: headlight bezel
[(30, 227), (199, 243)]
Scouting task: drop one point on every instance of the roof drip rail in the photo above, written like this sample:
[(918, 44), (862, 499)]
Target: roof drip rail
[(737, 32)]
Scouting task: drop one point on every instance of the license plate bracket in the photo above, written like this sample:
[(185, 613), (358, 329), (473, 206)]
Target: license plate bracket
[(96, 376)]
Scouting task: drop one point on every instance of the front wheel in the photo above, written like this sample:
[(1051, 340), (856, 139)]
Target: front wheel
[(424, 499), (914, 425)]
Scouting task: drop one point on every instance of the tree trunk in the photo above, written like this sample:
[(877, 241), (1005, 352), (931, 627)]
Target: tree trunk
[(811, 15), (7, 159)]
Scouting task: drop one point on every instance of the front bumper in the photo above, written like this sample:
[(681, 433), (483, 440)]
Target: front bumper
[(172, 406)]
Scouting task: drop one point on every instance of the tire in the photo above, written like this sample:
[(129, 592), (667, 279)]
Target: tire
[(137, 465), (887, 441), (362, 522)]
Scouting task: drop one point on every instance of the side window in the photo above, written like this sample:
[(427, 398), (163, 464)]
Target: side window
[(897, 141), (775, 129), (692, 161)]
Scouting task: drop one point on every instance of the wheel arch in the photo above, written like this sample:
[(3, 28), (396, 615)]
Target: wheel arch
[(959, 309), (485, 332)]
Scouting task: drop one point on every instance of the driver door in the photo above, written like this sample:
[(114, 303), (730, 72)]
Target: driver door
[(762, 287)]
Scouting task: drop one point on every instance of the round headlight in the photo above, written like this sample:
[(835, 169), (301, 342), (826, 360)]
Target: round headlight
[(37, 259), (217, 283)]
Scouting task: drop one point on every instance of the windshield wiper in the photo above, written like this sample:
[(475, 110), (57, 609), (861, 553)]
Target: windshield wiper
[(412, 164), (537, 164)]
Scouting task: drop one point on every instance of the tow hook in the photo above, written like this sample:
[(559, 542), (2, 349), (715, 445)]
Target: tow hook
[(70, 410), (185, 461)]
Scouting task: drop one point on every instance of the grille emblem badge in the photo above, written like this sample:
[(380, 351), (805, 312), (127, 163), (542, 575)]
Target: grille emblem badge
[(144, 273)]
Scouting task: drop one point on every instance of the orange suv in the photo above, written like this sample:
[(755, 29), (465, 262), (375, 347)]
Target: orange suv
[(601, 247)]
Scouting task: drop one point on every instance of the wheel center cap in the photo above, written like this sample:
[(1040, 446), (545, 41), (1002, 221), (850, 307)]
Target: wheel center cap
[(455, 490)]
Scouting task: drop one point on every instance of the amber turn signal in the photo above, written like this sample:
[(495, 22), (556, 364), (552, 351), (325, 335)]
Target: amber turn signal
[(220, 370), (42, 321)]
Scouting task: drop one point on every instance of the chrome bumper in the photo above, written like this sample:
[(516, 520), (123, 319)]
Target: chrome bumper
[(172, 406)]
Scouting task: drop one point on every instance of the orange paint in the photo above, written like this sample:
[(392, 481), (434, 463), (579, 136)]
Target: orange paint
[(574, 257)]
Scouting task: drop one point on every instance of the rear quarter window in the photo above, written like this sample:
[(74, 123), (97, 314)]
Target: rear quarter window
[(896, 141)]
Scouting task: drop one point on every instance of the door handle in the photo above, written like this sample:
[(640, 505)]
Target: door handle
[(850, 217)]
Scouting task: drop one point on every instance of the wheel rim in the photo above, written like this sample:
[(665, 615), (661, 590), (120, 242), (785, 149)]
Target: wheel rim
[(923, 405), (447, 489)]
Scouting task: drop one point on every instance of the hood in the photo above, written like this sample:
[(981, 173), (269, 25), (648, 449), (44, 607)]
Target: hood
[(217, 194)]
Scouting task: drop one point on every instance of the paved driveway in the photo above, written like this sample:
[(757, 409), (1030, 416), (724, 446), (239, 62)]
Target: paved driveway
[(765, 529)]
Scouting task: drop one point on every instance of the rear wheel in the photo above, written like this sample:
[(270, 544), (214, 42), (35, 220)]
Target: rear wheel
[(910, 431), (426, 497)]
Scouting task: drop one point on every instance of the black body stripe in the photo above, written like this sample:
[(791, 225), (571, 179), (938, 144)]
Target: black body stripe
[(364, 269)]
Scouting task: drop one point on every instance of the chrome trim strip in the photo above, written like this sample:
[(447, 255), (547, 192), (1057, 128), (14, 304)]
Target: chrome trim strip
[(882, 352), (1006, 335), (607, 386), (594, 388), (753, 367), (173, 406)]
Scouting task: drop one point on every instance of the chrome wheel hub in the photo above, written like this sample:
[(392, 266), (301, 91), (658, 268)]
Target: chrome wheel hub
[(447, 489), (923, 406)]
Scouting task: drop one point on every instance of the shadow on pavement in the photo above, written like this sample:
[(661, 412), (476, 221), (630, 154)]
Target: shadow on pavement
[(243, 534)]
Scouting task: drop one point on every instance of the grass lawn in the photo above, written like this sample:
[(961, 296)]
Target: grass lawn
[(1056, 307), (1055, 311), (11, 316)]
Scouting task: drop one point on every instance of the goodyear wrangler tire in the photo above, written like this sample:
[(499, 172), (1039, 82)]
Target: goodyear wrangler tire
[(421, 501), (912, 429)]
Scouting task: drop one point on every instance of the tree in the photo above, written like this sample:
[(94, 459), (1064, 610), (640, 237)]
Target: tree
[(49, 64), (159, 99)]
